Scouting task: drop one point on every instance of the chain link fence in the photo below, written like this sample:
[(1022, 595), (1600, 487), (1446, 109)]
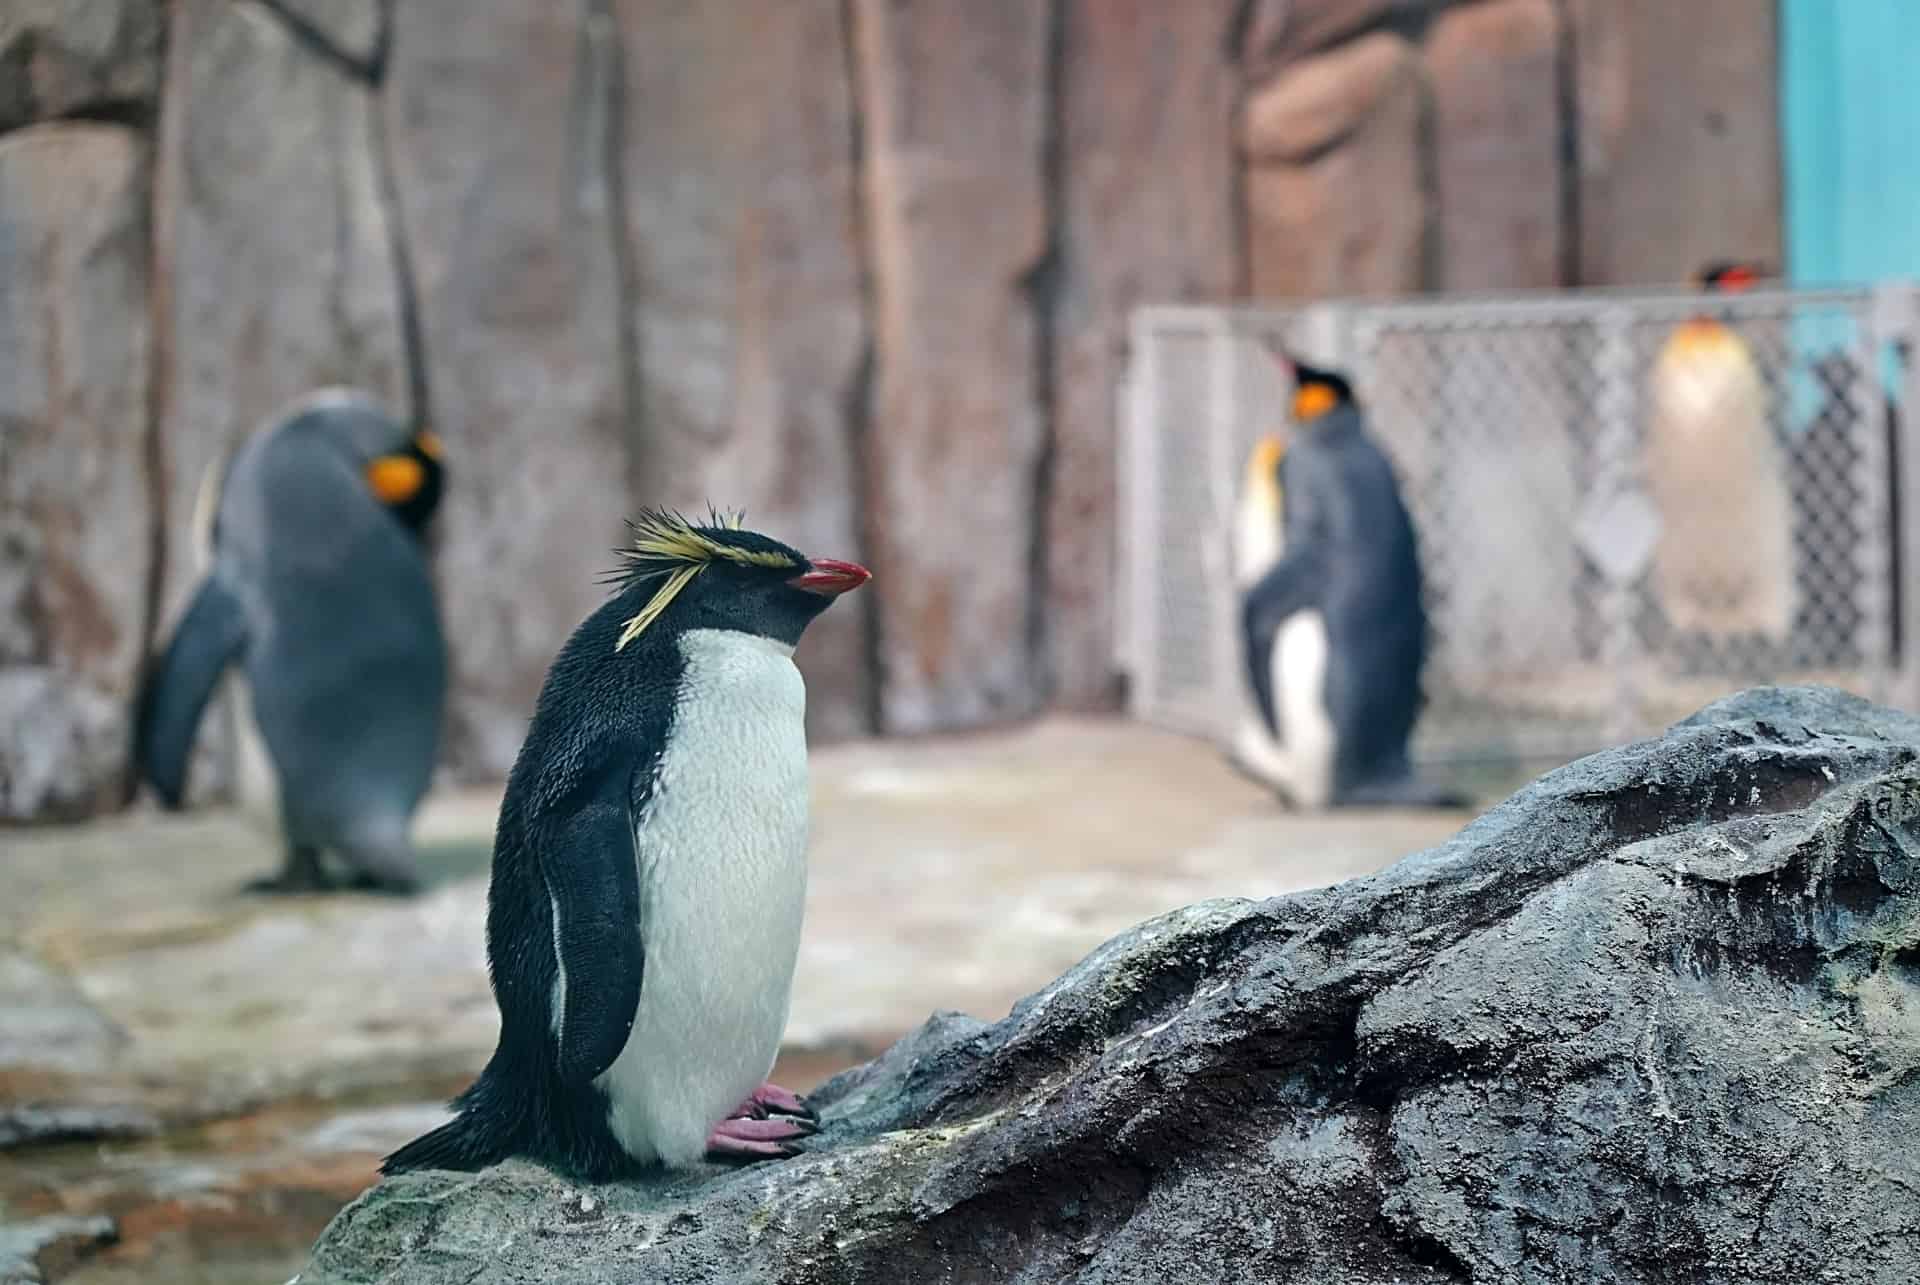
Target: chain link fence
[(1569, 562)]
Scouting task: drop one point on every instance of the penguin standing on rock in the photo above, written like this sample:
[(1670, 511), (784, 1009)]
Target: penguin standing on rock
[(1333, 629), (319, 590), (649, 870)]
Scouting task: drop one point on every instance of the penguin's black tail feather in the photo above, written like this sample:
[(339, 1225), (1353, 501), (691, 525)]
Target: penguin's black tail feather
[(177, 689), (464, 1143), (480, 1135)]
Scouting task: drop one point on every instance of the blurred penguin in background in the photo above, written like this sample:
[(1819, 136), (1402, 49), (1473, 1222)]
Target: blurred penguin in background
[(1333, 625), (1723, 567), (319, 593)]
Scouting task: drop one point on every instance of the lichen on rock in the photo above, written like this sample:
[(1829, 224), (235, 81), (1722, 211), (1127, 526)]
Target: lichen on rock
[(1652, 1018)]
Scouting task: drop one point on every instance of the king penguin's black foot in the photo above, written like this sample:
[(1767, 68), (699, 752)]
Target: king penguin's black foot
[(285, 884), (301, 874), (385, 885)]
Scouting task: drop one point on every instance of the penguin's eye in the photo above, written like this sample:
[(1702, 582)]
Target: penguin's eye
[(396, 478)]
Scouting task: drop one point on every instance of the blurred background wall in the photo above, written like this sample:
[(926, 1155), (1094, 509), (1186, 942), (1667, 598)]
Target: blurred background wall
[(861, 267)]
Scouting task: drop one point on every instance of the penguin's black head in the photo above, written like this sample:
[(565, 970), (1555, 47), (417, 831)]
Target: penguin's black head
[(404, 469), (680, 576), (409, 479), (1316, 390), (1727, 276)]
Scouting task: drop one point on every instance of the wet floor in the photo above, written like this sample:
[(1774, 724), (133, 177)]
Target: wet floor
[(240, 1063)]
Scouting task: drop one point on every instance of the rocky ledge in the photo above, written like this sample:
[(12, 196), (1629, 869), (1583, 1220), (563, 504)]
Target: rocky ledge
[(1654, 1018)]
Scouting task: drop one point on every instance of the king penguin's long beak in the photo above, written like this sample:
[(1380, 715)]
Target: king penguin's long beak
[(830, 576)]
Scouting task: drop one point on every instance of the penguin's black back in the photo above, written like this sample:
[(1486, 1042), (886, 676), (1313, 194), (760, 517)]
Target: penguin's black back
[(596, 709), (1346, 500)]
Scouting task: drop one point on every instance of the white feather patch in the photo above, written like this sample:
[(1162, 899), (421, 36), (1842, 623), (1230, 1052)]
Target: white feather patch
[(722, 853)]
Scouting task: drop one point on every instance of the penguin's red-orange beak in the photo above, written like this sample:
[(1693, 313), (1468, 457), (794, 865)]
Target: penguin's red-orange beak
[(830, 576)]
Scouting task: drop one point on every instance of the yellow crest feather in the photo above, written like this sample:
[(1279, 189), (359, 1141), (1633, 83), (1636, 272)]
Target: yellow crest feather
[(666, 544)]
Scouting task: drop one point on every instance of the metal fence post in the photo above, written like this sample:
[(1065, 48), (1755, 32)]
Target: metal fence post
[(1898, 307), (1143, 515), (1223, 423), (1615, 472)]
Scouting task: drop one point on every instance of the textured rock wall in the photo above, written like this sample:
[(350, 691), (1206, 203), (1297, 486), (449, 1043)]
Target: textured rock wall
[(860, 267)]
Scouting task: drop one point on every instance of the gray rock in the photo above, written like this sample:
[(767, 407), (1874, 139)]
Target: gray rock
[(75, 544), (63, 745), (349, 30), (46, 1022), (32, 1124), (41, 1249), (74, 57), (1655, 1017)]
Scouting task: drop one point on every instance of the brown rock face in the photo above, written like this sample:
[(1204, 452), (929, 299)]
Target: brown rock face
[(1496, 134), (1280, 31), (512, 228), (1146, 214), (74, 539), (281, 267), (64, 57), (741, 211), (1336, 199), (1679, 137), (955, 106)]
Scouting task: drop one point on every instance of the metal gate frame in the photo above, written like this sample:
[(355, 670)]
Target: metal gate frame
[(1343, 333)]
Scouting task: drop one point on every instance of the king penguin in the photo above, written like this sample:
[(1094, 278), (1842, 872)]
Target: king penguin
[(1333, 625), (649, 870), (1723, 567), (318, 590)]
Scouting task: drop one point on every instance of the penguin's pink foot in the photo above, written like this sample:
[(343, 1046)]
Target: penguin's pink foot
[(771, 1099), (743, 1139)]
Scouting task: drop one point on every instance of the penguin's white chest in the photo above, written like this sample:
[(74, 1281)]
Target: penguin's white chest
[(723, 875)]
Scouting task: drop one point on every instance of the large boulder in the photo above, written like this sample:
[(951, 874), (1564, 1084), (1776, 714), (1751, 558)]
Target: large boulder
[(1655, 1017)]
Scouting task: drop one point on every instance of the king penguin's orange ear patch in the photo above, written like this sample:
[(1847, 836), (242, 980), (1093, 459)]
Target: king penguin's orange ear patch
[(1313, 400), (429, 443), (396, 478)]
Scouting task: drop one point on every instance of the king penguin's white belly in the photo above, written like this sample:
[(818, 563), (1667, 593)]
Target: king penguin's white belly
[(1300, 690), (723, 875), (1302, 764)]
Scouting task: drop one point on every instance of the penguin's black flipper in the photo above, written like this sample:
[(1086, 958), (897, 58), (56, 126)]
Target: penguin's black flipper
[(209, 637), (592, 876), (1284, 590)]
